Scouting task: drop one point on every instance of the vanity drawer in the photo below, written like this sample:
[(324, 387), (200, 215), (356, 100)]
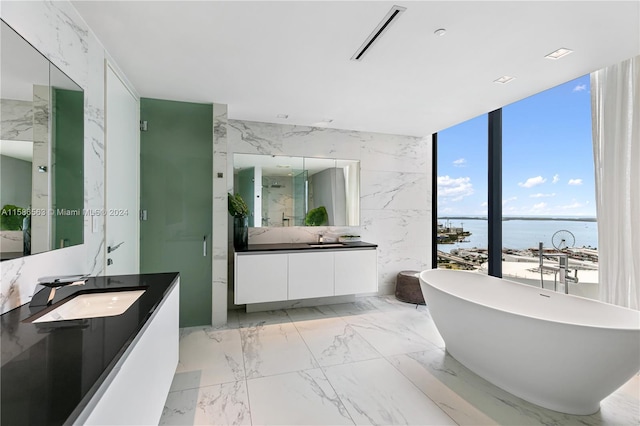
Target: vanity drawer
[(310, 275), (261, 278)]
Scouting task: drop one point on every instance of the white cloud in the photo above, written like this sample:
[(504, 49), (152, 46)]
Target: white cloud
[(575, 182), (539, 206), (556, 178), (454, 188), (460, 162), (484, 204), (580, 88), (541, 195), (531, 182), (507, 200), (574, 205)]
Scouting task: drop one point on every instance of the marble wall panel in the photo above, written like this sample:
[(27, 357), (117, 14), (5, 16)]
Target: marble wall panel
[(395, 187), (17, 120), (393, 190), (219, 240)]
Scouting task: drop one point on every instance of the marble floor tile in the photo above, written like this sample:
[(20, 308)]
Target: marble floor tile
[(274, 349), (390, 303), (225, 404), (333, 341), (326, 365), (459, 409), (208, 356), (471, 400), (300, 398), (253, 319), (311, 313), (393, 333), (374, 392), (361, 306)]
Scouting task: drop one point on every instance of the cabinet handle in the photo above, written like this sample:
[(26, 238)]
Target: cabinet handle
[(204, 246)]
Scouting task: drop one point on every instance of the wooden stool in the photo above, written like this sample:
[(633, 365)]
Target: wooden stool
[(408, 287)]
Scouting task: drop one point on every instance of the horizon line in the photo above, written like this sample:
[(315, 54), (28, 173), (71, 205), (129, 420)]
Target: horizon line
[(508, 218)]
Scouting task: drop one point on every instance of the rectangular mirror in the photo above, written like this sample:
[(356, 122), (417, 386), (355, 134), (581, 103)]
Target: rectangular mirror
[(41, 152), (298, 191)]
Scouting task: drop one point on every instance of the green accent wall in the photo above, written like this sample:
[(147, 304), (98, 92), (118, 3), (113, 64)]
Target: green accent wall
[(176, 190), (67, 160)]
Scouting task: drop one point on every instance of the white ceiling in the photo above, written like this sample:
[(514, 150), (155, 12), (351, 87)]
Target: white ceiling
[(269, 58)]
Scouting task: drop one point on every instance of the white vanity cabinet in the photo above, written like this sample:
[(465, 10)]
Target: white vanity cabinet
[(261, 278), (310, 275), (355, 271), (264, 276)]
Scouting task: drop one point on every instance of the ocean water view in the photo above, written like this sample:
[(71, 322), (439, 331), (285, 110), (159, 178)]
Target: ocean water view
[(522, 234)]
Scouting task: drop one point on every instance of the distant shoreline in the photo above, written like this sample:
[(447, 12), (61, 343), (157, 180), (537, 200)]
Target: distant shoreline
[(507, 218)]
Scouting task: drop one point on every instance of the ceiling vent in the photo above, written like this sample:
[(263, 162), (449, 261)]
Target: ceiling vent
[(390, 17)]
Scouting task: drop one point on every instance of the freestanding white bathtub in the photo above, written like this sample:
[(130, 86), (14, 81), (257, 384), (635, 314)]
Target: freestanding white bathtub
[(561, 352)]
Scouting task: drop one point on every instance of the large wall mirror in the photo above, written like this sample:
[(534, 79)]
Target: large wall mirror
[(296, 191), (41, 152)]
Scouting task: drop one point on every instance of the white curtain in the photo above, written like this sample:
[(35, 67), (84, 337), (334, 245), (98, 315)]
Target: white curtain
[(352, 190), (615, 109)]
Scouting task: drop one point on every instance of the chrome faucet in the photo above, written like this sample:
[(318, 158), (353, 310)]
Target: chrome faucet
[(56, 282), (320, 239), (563, 269)]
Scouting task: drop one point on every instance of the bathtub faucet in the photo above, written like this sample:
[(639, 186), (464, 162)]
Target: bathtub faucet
[(563, 268)]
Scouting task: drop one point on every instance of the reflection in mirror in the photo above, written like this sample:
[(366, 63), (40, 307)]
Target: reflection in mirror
[(281, 190), (273, 188), (41, 152)]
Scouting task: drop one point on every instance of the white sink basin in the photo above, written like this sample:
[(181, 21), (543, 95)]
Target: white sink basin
[(93, 305)]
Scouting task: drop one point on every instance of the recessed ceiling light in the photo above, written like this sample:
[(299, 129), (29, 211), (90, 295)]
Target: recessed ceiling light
[(283, 166), (285, 116), (440, 32), (557, 54), (504, 79)]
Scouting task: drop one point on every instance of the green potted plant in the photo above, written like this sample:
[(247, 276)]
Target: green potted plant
[(11, 218), (317, 217), (240, 212)]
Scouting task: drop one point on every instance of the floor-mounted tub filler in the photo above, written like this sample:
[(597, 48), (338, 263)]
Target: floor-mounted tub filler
[(561, 352)]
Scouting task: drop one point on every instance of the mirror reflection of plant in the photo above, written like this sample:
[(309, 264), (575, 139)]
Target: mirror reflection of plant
[(317, 217), (237, 206), (10, 219)]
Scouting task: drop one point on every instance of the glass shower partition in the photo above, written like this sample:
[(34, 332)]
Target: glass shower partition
[(299, 196)]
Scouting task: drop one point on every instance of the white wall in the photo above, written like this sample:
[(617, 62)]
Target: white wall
[(395, 188), (58, 32), (122, 176)]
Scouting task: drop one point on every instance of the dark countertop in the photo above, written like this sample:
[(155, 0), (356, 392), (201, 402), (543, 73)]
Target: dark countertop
[(304, 246), (51, 370)]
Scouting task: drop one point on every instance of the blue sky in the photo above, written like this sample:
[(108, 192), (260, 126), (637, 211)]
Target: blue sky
[(547, 158)]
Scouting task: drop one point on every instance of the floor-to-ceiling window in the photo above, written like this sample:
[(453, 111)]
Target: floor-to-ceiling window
[(548, 192), (462, 235)]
